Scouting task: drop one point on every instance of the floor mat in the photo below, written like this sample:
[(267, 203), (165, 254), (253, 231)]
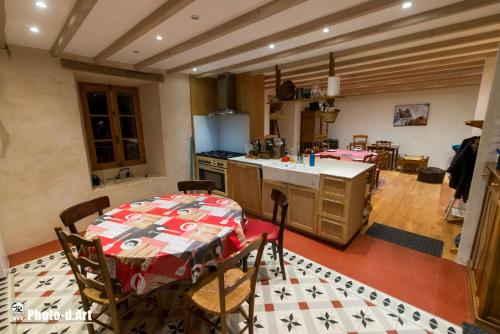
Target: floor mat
[(406, 239), (313, 299)]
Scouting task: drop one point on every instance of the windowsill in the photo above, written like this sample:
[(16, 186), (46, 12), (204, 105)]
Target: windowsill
[(136, 180)]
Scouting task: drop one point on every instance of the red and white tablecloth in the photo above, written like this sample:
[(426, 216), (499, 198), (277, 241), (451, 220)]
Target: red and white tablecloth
[(348, 155), (152, 242)]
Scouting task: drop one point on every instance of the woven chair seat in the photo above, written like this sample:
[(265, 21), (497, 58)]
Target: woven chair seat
[(205, 294)]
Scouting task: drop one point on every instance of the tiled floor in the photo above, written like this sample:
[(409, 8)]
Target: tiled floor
[(434, 284), (313, 299)]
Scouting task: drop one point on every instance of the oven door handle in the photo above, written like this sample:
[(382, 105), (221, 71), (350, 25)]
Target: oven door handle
[(213, 169)]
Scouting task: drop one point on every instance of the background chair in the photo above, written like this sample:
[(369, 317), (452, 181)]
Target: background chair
[(254, 228), (99, 290), (383, 144), (224, 291), (195, 185), (81, 210), (359, 141)]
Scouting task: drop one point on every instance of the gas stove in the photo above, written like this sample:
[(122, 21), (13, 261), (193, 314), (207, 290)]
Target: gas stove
[(220, 154)]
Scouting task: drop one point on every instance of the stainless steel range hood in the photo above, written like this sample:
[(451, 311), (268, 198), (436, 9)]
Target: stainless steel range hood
[(226, 95)]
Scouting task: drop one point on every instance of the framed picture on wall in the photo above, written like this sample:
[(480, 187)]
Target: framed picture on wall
[(411, 114)]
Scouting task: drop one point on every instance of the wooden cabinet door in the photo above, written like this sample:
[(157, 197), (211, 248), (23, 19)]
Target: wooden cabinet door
[(245, 186), (302, 208), (267, 202)]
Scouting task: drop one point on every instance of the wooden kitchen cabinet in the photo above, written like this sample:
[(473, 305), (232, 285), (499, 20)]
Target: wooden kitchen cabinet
[(245, 186), (203, 94), (484, 265), (302, 208), (313, 128), (267, 202)]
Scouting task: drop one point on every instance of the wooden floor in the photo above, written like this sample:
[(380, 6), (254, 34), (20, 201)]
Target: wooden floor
[(402, 202)]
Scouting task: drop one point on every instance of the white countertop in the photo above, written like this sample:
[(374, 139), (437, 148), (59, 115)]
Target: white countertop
[(331, 167)]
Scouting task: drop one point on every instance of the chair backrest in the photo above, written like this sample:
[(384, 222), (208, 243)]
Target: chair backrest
[(382, 158), (280, 201), (194, 185), (233, 261), (80, 263), (383, 144), (368, 158), (359, 141), (81, 210)]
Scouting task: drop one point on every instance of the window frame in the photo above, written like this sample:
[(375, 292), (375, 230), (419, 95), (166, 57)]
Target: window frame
[(115, 125)]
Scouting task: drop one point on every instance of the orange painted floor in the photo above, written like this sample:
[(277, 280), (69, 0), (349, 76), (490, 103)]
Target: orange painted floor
[(431, 283)]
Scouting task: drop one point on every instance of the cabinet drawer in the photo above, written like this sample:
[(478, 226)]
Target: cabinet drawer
[(331, 229), (334, 187), (332, 208)]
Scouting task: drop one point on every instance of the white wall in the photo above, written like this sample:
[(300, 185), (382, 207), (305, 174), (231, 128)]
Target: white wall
[(488, 109), (43, 161), (373, 115)]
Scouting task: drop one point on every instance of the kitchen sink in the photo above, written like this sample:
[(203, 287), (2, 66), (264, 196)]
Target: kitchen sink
[(298, 174)]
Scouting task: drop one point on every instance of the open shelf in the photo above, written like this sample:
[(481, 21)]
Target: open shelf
[(315, 99), (475, 123)]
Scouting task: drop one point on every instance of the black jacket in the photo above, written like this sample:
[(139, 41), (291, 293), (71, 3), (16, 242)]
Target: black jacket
[(462, 168)]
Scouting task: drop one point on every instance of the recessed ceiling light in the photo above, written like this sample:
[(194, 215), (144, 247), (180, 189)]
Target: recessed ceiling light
[(195, 17), (271, 46), (34, 29), (41, 4), (159, 37), (326, 29), (195, 69), (407, 4)]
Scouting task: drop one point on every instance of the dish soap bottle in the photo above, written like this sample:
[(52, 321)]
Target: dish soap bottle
[(311, 158)]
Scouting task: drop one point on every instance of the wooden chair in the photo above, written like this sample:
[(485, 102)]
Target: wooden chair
[(359, 141), (224, 291), (194, 185), (79, 211), (254, 228), (100, 289), (383, 144)]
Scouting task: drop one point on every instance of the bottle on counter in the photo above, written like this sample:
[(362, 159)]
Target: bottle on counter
[(311, 158)]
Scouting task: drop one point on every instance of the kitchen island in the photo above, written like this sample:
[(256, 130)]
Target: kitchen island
[(330, 200)]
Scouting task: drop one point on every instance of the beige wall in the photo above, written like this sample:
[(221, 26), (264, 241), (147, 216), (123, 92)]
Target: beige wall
[(43, 162), (373, 115), (488, 109)]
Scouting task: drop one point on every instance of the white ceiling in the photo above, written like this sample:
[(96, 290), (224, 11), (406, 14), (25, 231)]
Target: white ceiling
[(109, 19)]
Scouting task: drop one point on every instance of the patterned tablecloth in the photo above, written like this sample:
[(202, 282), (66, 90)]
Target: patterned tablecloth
[(348, 155), (152, 242)]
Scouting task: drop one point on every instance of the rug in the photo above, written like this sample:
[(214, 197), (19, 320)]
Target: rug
[(313, 299), (406, 239)]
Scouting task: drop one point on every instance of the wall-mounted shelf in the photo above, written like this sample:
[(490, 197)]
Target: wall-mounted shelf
[(315, 99), (475, 123)]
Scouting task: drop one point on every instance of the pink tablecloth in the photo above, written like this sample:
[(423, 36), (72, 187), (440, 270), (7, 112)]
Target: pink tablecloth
[(348, 155)]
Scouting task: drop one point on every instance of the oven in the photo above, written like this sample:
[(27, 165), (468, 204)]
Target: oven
[(217, 174)]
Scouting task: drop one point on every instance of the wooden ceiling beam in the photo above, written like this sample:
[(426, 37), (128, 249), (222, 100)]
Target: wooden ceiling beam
[(422, 65), (378, 29), (428, 59), (159, 15), (355, 76), (256, 15), (403, 81), (385, 90), (344, 15), (75, 65), (78, 14), (434, 73)]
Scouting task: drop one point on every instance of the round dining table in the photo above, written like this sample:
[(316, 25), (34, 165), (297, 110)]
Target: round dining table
[(155, 241)]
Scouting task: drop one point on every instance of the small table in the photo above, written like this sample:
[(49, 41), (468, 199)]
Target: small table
[(347, 155), (412, 163), (393, 153), (159, 240)]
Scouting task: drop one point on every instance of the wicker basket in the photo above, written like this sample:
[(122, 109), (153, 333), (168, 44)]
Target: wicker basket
[(330, 116)]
